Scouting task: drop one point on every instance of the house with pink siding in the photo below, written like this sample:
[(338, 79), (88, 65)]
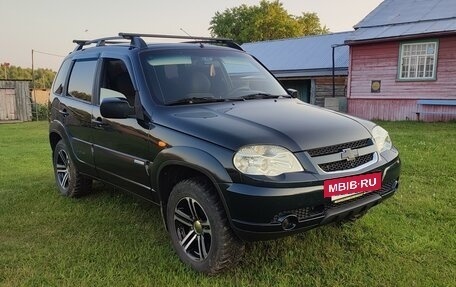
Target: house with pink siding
[(402, 63)]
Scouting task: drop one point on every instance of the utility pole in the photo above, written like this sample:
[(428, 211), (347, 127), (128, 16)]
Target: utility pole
[(33, 77), (33, 87), (334, 68)]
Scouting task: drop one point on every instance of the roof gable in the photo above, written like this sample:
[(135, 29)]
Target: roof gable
[(400, 18), (391, 12)]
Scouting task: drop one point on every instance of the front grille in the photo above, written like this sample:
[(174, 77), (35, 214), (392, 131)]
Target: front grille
[(338, 148), (302, 213), (345, 164)]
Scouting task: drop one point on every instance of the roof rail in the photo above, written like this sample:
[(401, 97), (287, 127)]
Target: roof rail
[(219, 41), (202, 40), (136, 40), (98, 42)]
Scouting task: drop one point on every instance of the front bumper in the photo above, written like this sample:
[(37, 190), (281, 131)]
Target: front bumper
[(257, 213)]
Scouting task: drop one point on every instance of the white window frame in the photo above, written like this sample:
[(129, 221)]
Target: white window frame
[(418, 61)]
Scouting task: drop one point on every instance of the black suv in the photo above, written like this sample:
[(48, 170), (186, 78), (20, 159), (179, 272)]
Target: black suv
[(205, 131)]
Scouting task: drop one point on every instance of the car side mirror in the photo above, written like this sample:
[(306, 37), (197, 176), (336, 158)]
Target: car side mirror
[(115, 108), (293, 93)]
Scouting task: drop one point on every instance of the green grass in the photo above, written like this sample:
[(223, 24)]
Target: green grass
[(112, 239)]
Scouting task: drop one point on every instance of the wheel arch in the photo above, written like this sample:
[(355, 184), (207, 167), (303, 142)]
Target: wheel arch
[(56, 133), (54, 138), (179, 163)]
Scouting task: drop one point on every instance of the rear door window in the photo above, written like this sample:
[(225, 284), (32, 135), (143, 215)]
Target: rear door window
[(82, 78), (59, 82)]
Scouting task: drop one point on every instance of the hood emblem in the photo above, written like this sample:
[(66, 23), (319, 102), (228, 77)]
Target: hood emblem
[(349, 154)]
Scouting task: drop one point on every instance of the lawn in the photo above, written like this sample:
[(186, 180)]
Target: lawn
[(111, 239)]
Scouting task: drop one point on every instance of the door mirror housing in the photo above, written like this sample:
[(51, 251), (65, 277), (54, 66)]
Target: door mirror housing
[(116, 108), (293, 93)]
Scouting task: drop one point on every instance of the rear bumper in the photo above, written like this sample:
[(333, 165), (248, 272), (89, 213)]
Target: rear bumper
[(258, 213)]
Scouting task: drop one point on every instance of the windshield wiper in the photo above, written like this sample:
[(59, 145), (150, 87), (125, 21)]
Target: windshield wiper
[(195, 100), (200, 100), (255, 96)]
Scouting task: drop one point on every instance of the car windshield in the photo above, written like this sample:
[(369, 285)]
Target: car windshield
[(188, 76)]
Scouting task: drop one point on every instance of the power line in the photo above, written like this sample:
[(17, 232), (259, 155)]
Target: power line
[(33, 76), (49, 54)]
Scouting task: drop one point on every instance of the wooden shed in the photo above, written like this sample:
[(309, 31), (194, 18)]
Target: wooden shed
[(15, 103), (306, 65)]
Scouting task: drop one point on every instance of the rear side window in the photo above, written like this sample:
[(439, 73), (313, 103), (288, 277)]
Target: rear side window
[(81, 80), (59, 82)]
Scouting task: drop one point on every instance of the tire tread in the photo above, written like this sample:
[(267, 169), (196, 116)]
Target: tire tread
[(82, 184)]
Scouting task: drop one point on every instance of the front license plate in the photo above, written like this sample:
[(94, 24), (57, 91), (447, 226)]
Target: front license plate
[(348, 186)]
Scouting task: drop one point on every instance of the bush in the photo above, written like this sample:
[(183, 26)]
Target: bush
[(40, 112)]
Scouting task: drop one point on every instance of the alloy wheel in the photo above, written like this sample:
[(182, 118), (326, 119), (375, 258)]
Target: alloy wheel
[(62, 166), (193, 228)]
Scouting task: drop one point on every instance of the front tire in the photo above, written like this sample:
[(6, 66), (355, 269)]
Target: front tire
[(69, 181), (199, 229)]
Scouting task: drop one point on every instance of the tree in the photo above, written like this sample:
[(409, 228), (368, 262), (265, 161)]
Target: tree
[(43, 77), (267, 21), (310, 24)]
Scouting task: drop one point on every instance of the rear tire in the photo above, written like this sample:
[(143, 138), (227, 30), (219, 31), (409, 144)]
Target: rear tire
[(69, 181), (199, 229)]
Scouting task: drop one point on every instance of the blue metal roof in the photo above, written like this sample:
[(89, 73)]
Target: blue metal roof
[(306, 56), (400, 18)]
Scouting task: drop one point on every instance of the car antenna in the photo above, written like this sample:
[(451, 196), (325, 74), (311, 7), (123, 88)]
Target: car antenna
[(196, 40)]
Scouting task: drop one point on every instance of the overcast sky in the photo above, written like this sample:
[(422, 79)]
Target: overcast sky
[(50, 25)]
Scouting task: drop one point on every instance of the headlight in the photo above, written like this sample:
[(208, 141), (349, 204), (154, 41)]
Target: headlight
[(382, 139), (265, 160)]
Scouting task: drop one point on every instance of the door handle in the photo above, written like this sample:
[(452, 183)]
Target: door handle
[(98, 123), (63, 112)]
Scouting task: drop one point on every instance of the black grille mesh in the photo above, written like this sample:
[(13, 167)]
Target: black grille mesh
[(338, 148), (345, 164), (302, 213)]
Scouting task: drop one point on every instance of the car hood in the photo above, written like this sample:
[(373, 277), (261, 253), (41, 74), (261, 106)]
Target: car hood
[(289, 123)]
